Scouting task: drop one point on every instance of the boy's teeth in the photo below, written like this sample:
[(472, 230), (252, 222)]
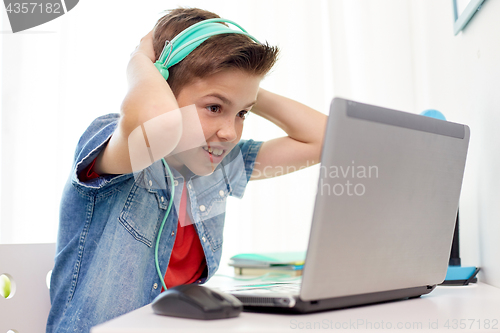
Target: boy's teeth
[(217, 152), (214, 151)]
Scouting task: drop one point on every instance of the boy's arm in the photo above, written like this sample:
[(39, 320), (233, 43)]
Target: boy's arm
[(301, 148), (149, 96)]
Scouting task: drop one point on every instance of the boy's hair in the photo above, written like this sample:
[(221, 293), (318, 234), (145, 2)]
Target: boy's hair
[(213, 55)]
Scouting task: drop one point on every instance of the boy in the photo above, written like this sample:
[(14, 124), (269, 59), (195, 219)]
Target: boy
[(114, 207)]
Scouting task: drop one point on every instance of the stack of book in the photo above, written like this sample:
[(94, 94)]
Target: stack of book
[(257, 264)]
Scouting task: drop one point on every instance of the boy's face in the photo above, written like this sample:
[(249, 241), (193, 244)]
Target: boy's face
[(222, 101)]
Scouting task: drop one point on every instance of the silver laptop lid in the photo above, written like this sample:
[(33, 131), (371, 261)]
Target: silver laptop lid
[(386, 204)]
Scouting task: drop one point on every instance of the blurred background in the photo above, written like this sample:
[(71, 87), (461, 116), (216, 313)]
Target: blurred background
[(401, 54)]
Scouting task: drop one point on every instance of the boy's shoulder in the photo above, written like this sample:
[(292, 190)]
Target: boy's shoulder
[(98, 124)]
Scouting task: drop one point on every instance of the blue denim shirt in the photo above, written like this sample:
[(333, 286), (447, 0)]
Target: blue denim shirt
[(104, 264)]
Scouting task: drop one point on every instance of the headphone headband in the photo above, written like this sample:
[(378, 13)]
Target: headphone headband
[(190, 38)]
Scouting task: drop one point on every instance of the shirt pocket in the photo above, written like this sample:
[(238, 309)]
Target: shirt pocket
[(144, 211), (211, 211), (214, 229)]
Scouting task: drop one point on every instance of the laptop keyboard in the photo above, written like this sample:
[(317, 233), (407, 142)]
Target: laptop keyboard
[(293, 289)]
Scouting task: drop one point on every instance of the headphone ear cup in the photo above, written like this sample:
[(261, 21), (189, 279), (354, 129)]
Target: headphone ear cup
[(164, 72), (162, 69)]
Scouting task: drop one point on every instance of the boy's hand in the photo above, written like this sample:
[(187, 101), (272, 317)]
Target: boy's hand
[(146, 47), (301, 148)]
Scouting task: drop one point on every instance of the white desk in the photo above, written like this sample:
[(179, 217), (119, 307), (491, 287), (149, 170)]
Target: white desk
[(473, 308)]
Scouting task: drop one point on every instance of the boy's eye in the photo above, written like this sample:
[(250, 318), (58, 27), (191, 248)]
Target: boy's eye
[(242, 114), (213, 108)]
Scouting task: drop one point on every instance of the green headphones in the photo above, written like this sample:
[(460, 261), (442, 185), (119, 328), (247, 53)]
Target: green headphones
[(187, 40), (173, 52)]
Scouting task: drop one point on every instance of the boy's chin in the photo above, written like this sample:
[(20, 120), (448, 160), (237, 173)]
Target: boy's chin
[(202, 170), (199, 161)]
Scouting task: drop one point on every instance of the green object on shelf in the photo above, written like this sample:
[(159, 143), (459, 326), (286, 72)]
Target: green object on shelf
[(4, 286)]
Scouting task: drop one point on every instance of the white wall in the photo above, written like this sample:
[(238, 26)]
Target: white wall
[(400, 54), (59, 76), (404, 55), (460, 75)]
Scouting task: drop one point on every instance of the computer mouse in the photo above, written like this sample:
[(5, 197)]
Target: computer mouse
[(197, 302)]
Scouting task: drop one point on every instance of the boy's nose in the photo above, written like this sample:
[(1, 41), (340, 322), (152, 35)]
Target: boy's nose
[(227, 131)]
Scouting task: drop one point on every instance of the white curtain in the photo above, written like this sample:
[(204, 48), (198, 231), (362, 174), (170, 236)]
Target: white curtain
[(58, 77)]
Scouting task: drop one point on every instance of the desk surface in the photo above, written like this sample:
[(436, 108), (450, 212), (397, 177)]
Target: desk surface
[(473, 308)]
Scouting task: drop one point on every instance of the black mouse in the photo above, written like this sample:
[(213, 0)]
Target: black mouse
[(198, 302)]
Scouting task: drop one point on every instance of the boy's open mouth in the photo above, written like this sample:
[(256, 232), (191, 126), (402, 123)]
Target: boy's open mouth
[(215, 151)]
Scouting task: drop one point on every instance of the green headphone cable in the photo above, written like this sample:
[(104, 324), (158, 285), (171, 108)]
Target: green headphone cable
[(163, 224)]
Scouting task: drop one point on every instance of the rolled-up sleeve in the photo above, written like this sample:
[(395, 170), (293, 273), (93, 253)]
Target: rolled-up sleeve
[(91, 143)]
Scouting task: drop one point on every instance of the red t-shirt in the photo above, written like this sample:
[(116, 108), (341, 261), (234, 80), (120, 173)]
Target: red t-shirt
[(187, 260)]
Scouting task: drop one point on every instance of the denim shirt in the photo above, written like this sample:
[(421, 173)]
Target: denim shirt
[(104, 264)]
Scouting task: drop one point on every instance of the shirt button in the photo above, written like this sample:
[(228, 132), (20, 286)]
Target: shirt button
[(162, 199), (202, 208), (176, 182), (155, 286), (221, 193), (150, 183), (173, 233), (203, 239), (189, 185)]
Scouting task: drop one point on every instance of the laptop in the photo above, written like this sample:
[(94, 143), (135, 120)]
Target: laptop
[(384, 215)]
